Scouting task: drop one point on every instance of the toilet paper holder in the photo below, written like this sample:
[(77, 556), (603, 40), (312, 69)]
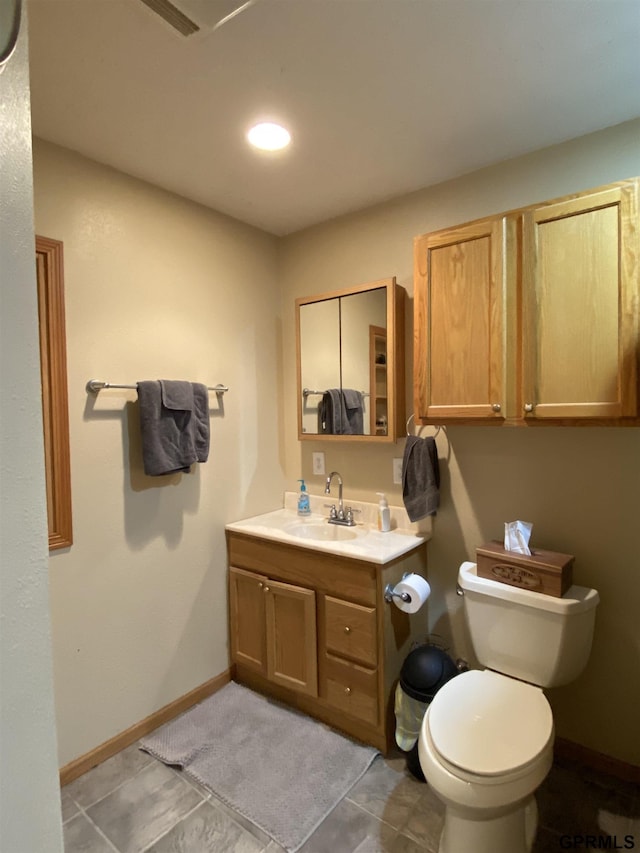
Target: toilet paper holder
[(390, 593)]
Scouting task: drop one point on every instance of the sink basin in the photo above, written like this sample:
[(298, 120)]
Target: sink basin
[(320, 531), (360, 542)]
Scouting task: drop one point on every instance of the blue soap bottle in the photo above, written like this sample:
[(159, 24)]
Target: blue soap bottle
[(304, 506)]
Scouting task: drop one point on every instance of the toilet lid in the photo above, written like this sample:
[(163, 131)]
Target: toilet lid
[(489, 724)]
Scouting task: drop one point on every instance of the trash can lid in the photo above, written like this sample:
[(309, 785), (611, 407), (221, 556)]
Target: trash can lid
[(425, 670)]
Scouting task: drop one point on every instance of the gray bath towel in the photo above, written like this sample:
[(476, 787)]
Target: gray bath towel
[(340, 412), (174, 425), (201, 423), (330, 415), (420, 477)]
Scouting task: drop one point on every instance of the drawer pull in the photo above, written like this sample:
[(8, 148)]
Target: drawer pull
[(266, 589), (347, 690), (347, 629)]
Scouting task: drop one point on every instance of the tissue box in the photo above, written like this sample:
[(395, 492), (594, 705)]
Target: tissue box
[(544, 571)]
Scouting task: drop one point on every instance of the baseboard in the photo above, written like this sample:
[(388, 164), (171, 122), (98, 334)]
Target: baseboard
[(570, 751), (85, 762)]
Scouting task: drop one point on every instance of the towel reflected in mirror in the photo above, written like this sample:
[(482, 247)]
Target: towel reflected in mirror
[(341, 412)]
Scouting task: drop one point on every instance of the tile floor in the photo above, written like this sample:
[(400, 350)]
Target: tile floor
[(133, 803)]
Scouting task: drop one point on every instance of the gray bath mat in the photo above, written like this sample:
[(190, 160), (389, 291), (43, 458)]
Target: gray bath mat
[(280, 769)]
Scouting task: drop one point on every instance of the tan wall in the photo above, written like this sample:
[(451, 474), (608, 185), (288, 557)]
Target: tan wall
[(579, 486), (156, 287)]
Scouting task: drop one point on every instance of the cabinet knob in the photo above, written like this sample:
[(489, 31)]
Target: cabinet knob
[(260, 584), (347, 690), (496, 407), (528, 407), (347, 629), (266, 589)]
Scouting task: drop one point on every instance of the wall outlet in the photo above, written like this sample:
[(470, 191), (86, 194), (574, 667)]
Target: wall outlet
[(318, 462), (397, 471)]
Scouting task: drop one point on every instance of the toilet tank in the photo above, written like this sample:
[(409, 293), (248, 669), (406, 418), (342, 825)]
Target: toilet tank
[(537, 638)]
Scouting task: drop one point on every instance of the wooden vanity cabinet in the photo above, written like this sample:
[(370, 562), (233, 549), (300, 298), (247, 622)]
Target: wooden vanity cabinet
[(531, 315), (312, 629)]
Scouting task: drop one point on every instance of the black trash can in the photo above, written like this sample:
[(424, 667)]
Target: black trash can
[(425, 670)]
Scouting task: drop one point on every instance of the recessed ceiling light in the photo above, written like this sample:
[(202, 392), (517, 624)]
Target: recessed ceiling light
[(269, 136)]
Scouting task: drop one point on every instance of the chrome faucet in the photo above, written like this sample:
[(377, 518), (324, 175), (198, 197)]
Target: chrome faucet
[(339, 515)]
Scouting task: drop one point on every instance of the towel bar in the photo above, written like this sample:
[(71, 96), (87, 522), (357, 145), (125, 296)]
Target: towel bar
[(437, 426), (306, 392), (95, 385)]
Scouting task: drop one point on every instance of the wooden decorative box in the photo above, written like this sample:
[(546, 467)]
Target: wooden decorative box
[(544, 571)]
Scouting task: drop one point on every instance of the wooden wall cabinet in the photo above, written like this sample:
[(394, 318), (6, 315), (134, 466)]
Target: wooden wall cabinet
[(312, 629), (532, 315)]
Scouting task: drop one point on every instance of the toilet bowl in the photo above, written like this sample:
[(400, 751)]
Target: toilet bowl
[(486, 741), (485, 745)]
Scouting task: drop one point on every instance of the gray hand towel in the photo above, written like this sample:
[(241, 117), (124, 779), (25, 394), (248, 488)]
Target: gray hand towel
[(172, 426), (420, 477), (354, 408)]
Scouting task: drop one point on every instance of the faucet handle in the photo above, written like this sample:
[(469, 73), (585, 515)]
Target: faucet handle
[(348, 514), (333, 513)]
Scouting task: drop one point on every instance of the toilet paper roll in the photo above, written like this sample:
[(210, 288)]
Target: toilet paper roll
[(419, 590)]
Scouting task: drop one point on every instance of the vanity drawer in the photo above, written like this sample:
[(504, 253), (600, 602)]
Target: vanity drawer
[(351, 688), (326, 573), (350, 630)]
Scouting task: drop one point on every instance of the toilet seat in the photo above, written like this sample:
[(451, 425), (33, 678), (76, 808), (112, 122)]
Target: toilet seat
[(487, 725)]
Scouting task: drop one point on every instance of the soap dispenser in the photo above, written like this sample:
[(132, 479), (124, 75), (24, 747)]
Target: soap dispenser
[(384, 514), (304, 506)]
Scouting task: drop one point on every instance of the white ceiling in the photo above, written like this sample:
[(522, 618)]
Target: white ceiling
[(382, 97)]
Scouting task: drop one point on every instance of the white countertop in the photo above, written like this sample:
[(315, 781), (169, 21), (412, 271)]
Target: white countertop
[(364, 541)]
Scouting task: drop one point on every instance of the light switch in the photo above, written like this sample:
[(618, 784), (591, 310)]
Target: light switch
[(318, 462)]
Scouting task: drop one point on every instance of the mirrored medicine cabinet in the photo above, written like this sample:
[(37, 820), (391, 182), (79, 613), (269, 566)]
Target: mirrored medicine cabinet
[(350, 353)]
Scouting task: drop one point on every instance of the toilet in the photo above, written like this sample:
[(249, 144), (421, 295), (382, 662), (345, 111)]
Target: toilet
[(486, 741)]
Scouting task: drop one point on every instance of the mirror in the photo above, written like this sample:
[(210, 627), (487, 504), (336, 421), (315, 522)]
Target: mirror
[(350, 347), (53, 371)]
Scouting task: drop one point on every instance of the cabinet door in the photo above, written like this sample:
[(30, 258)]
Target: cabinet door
[(579, 295), (459, 322), (247, 619), (292, 655)]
